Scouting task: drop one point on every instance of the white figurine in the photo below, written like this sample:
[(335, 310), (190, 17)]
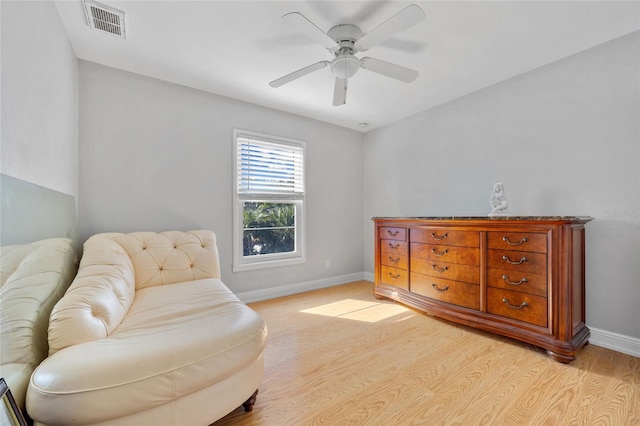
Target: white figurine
[(498, 202)]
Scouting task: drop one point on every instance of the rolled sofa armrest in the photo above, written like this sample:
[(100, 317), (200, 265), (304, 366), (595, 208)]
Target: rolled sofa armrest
[(34, 278), (98, 298)]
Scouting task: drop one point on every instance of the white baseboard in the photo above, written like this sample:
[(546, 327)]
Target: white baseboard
[(369, 276), (616, 342), (287, 290)]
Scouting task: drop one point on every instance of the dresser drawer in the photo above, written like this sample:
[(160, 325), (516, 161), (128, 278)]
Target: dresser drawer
[(458, 293), (394, 276), (521, 241), (525, 282), (519, 306), (445, 270), (389, 233), (517, 261), (445, 237), (394, 247), (394, 260), (451, 254)]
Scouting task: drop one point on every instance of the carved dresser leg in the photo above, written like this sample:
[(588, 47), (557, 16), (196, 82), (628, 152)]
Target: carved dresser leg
[(248, 404), (565, 359)]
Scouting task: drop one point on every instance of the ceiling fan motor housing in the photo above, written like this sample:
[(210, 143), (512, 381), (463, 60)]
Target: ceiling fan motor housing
[(345, 35), (345, 65)]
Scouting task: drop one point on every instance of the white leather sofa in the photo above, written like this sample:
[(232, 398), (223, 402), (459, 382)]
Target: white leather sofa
[(33, 277), (147, 334)]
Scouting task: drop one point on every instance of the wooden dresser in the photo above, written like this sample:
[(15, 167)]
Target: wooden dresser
[(521, 277)]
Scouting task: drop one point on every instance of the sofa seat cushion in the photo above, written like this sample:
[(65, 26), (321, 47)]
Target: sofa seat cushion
[(176, 339)]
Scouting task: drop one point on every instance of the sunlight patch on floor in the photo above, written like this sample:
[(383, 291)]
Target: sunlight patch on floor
[(358, 310)]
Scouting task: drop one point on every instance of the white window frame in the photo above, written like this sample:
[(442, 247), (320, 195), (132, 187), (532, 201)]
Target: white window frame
[(245, 263)]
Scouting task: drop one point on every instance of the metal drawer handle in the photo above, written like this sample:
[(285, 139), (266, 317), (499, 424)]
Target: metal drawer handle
[(435, 268), (439, 253), (511, 262), (522, 305), (392, 233), (441, 290), (394, 276), (515, 243), (396, 260), (436, 237), (394, 246), (506, 278)]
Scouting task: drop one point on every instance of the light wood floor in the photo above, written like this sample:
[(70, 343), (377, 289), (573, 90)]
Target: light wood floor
[(339, 356)]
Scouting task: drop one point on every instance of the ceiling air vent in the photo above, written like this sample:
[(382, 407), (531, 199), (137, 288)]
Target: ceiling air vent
[(104, 18)]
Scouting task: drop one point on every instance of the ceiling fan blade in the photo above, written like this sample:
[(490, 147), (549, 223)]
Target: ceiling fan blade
[(407, 17), (309, 29), (340, 92), (300, 73), (388, 69)]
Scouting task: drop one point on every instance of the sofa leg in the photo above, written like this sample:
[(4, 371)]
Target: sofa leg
[(248, 404)]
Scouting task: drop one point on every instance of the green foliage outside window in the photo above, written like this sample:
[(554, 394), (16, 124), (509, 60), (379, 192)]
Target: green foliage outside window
[(268, 228)]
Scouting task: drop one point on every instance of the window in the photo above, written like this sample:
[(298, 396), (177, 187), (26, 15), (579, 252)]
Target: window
[(269, 201)]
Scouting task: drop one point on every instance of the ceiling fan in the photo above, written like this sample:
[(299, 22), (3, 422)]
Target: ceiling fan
[(344, 40)]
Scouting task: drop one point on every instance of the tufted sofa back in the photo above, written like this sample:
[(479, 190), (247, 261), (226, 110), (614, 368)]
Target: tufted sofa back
[(169, 257), (114, 266)]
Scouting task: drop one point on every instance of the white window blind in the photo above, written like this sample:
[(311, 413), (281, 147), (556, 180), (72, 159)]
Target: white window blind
[(268, 169)]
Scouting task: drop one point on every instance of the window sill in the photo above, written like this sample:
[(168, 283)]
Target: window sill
[(268, 264)]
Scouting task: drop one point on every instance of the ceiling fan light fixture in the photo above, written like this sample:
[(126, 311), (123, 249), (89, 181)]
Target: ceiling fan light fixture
[(345, 66)]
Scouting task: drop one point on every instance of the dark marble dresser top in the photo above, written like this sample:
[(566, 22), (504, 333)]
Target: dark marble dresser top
[(492, 218)]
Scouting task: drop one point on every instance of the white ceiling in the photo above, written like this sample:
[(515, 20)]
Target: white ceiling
[(235, 48)]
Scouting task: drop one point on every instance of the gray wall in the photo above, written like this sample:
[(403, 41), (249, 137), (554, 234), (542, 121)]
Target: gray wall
[(563, 139), (158, 156), (39, 137)]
